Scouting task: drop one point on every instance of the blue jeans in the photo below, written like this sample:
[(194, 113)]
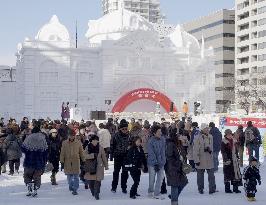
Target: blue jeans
[(216, 160), (254, 148), (175, 192), (159, 180), (73, 181)]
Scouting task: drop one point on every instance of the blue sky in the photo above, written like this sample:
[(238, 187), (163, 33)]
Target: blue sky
[(23, 18)]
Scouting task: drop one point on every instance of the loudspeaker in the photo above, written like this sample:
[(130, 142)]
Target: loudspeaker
[(101, 115), (98, 115)]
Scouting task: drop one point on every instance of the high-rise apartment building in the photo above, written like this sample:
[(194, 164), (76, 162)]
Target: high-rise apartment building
[(250, 50), (149, 9), (218, 31)]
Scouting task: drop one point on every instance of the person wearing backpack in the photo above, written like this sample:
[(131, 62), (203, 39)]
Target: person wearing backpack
[(12, 145), (253, 140), (240, 136)]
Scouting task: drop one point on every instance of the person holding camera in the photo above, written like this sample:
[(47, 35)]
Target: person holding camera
[(203, 158)]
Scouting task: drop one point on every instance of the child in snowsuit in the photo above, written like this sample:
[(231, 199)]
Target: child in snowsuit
[(135, 161), (252, 176)]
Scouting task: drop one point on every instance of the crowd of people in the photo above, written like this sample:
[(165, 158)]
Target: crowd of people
[(166, 151)]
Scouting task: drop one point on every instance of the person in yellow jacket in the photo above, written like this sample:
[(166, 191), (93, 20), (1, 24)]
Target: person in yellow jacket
[(131, 124)]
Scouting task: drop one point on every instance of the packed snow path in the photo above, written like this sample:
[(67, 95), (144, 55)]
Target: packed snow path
[(13, 192)]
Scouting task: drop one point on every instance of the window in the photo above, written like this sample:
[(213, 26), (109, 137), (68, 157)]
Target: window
[(262, 10), (262, 69), (243, 16), (262, 45), (243, 49), (224, 48), (243, 38), (225, 35), (262, 22), (217, 23), (262, 81), (222, 75), (243, 27), (222, 102), (224, 62), (262, 57), (224, 89), (243, 60), (262, 33)]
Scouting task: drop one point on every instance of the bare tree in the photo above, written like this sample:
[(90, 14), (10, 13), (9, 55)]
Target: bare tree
[(248, 94)]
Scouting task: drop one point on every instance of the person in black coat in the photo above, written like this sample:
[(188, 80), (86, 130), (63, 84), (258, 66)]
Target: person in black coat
[(240, 137), (136, 161), (217, 140), (119, 147), (231, 168), (252, 176), (3, 157), (173, 168), (54, 153), (24, 124)]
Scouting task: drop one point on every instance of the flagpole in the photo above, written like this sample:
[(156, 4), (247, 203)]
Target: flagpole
[(76, 34)]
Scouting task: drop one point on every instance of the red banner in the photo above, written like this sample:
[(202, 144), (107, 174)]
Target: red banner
[(142, 93), (257, 122)]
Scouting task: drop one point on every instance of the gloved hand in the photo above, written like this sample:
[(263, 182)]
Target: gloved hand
[(156, 168), (145, 169), (197, 164), (259, 182)]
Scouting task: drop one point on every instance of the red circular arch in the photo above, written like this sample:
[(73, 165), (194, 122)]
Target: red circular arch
[(142, 93)]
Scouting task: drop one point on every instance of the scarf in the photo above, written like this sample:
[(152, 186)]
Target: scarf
[(93, 149)]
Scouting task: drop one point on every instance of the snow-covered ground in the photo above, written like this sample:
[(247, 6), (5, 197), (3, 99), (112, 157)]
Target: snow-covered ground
[(13, 191)]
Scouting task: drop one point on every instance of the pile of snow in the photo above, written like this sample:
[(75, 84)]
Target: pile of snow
[(13, 191)]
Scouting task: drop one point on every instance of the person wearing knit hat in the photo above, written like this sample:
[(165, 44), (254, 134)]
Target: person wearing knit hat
[(119, 146), (123, 124), (251, 175), (54, 153), (203, 158)]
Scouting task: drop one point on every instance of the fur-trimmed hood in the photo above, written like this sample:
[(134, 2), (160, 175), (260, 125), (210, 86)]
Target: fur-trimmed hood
[(35, 142)]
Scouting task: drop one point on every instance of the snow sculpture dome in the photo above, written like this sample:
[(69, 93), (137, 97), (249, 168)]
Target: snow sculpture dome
[(53, 31), (115, 25), (180, 38)]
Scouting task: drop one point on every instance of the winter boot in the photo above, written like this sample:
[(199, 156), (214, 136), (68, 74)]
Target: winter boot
[(236, 190), (53, 179), (174, 203), (227, 188), (29, 186), (34, 194), (97, 196)]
